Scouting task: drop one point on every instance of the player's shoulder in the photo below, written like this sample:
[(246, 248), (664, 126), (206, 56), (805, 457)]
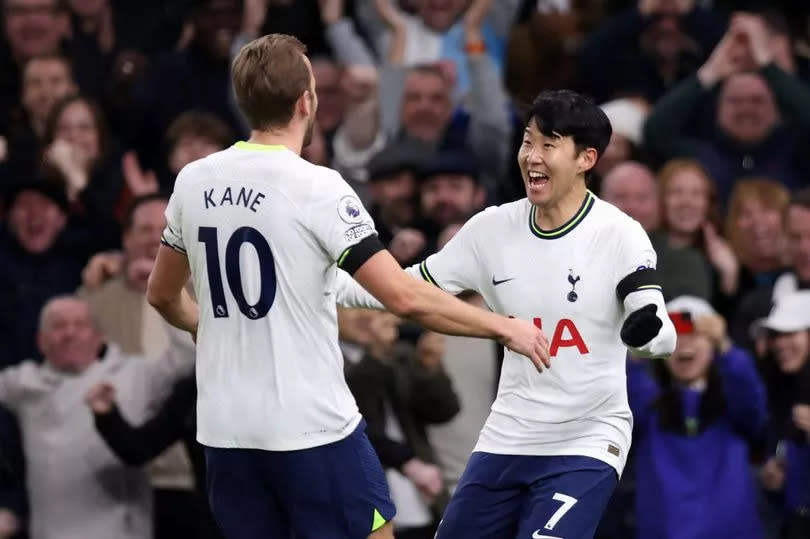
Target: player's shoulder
[(502, 216), (613, 219)]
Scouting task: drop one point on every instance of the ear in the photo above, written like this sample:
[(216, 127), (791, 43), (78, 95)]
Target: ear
[(304, 104), (586, 160)]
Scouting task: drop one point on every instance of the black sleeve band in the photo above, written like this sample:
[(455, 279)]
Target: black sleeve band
[(355, 256), (643, 279)]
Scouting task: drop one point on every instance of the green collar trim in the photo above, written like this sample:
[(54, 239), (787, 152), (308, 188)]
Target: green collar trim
[(565, 228)]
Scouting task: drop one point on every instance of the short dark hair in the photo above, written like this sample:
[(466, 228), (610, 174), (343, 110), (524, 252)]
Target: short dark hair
[(201, 125), (129, 216), (569, 114), (269, 75)]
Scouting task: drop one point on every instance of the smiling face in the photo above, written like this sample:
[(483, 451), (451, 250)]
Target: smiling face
[(551, 165), (686, 201), (691, 359)]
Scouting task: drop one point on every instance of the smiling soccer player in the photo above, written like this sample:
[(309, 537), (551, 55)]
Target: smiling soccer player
[(555, 443)]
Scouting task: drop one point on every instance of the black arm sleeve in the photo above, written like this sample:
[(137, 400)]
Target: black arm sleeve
[(643, 279), (355, 256)]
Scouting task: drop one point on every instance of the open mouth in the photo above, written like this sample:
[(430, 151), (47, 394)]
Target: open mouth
[(537, 179)]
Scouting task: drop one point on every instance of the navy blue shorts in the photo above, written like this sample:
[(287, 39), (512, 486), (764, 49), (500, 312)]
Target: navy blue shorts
[(508, 496), (336, 490)]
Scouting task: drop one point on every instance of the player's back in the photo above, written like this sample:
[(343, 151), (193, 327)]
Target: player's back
[(258, 225)]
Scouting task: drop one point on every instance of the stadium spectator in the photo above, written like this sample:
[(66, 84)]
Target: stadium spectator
[(627, 119), (647, 48), (694, 420), (137, 445), (196, 78), (761, 120), (400, 392), (77, 487), (191, 136), (785, 340), (632, 187), (450, 192), (758, 303), (31, 28), (756, 232), (79, 147), (392, 190), (437, 32), (46, 80), (41, 255), (416, 102), (690, 218)]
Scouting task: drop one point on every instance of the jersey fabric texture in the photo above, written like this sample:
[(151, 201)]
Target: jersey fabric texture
[(265, 232)]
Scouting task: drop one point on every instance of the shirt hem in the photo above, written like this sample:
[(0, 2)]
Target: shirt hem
[(616, 463), (288, 444)]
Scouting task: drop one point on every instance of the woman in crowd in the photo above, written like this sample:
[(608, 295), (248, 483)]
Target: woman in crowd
[(696, 414), (784, 345)]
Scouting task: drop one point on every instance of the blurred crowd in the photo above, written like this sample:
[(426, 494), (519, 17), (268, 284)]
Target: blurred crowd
[(102, 102)]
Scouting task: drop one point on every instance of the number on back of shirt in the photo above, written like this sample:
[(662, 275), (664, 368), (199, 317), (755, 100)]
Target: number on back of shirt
[(233, 271)]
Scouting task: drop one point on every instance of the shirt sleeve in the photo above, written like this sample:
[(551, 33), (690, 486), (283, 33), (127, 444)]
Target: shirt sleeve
[(338, 218), (456, 267), (635, 253), (173, 233)]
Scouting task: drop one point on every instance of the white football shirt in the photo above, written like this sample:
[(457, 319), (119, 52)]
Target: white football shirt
[(565, 280), (263, 230)]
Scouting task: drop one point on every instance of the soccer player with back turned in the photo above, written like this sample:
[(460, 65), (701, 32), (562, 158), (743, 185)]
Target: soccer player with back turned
[(262, 232), (549, 455)]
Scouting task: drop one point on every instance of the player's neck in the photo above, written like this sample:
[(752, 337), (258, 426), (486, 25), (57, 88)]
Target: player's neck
[(288, 137), (555, 215)]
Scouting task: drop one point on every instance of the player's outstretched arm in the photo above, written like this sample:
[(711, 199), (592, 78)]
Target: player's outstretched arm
[(166, 290), (428, 306)]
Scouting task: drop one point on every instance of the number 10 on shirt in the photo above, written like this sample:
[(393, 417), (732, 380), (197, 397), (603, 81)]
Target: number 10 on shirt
[(233, 271)]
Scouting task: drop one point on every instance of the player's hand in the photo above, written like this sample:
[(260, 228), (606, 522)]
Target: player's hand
[(523, 337), (426, 477), (101, 398), (641, 326), (772, 474), (101, 267), (406, 244), (801, 417)]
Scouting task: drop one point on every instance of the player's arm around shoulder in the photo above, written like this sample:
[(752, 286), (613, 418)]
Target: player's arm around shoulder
[(647, 330)]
